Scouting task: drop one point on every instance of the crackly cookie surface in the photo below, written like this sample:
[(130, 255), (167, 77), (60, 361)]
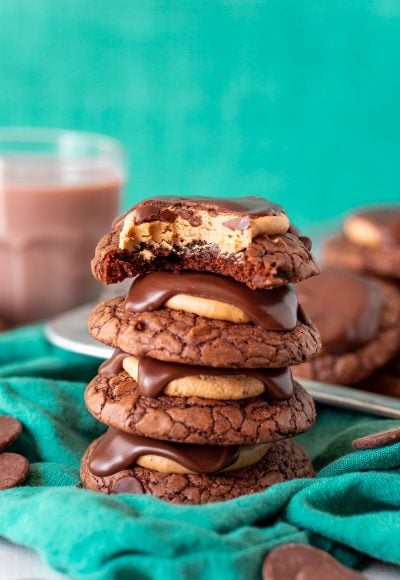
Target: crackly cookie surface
[(249, 239), (178, 336), (117, 402), (358, 321), (284, 460)]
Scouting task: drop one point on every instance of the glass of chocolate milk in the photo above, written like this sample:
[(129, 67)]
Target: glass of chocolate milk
[(59, 192)]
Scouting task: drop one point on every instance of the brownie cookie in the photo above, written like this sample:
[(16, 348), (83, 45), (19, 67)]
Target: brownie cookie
[(284, 461), (338, 251), (370, 242), (116, 401), (248, 239), (178, 336), (357, 318)]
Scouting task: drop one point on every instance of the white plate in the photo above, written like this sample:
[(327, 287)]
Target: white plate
[(69, 331)]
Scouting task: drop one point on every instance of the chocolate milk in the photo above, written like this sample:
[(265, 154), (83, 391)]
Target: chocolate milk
[(48, 233)]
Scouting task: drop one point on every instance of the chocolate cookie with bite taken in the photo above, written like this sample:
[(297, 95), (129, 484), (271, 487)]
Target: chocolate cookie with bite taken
[(249, 239)]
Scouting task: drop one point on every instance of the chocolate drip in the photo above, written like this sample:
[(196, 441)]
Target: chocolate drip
[(168, 208), (128, 484), (154, 375), (117, 451), (274, 309), (344, 306), (386, 220), (113, 365)]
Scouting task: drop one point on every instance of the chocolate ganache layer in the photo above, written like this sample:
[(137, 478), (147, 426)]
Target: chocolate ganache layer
[(154, 375), (275, 309), (345, 307), (168, 208), (117, 451)]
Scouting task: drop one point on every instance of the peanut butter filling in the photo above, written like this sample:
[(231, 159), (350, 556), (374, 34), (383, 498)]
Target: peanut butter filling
[(221, 388), (207, 307), (212, 229)]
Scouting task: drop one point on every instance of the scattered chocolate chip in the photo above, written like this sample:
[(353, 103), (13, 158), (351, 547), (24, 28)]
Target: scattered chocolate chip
[(10, 430), (14, 469), (79, 485), (299, 562), (127, 484), (375, 440)]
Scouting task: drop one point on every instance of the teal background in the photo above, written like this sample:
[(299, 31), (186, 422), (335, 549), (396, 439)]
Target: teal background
[(297, 100)]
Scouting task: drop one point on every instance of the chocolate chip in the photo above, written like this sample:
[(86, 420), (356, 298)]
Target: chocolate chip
[(10, 430), (298, 562), (388, 437), (127, 484), (13, 470)]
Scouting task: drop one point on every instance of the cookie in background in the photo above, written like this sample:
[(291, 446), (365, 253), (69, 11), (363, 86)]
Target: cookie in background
[(369, 242), (358, 319)]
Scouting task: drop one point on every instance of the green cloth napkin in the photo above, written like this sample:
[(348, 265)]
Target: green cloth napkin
[(351, 509)]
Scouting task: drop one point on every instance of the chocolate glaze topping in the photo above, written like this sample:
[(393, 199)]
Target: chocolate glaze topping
[(117, 451), (168, 208), (113, 365), (387, 220), (344, 306), (274, 309), (154, 375)]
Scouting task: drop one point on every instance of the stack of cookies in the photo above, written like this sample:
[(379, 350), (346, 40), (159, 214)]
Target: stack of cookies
[(355, 304), (198, 396)]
